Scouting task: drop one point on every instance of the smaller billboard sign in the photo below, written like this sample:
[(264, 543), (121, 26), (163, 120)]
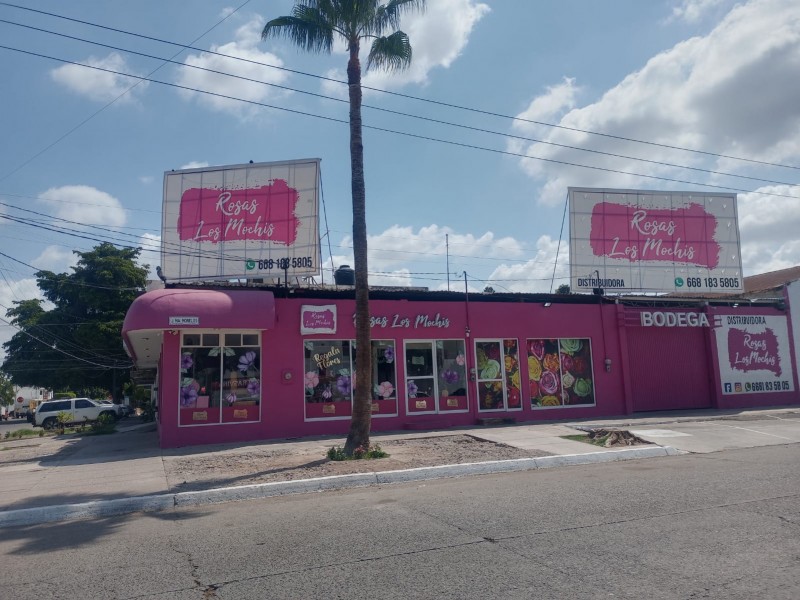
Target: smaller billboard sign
[(241, 221), (638, 240), (753, 353)]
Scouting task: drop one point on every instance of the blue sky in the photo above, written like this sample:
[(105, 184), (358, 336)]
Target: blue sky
[(710, 75)]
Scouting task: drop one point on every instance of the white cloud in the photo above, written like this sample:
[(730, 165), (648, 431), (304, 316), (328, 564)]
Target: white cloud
[(84, 204), (151, 253), (438, 37), (56, 259), (692, 11), (768, 227), (146, 179), (195, 164), (244, 46), (101, 86), (536, 274), (733, 91)]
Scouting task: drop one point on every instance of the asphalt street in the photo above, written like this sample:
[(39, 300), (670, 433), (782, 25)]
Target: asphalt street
[(718, 525)]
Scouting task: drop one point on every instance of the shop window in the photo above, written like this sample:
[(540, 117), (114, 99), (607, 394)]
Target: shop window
[(436, 376), (219, 384), (560, 372), (329, 378), (498, 375)]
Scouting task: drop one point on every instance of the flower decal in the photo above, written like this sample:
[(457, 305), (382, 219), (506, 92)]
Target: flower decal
[(186, 362), (570, 346), (247, 361), (491, 370), (549, 382), (311, 380), (230, 399), (460, 360), (412, 389), (534, 368), (388, 354), (326, 393), (188, 396), (385, 389), (343, 384), (536, 348), (450, 376), (583, 387)]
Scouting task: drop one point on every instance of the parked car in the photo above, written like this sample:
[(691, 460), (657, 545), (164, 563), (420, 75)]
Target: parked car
[(80, 410)]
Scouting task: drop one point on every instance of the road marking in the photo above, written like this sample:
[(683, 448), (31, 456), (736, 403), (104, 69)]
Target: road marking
[(756, 431), (659, 433)]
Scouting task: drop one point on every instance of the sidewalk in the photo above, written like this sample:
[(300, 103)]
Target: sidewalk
[(67, 478)]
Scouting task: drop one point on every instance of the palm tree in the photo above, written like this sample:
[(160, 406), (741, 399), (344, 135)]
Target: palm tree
[(312, 26)]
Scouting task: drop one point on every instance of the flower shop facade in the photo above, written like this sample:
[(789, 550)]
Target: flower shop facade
[(240, 364)]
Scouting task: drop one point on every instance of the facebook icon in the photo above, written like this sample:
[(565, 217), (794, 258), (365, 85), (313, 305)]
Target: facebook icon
[(727, 388)]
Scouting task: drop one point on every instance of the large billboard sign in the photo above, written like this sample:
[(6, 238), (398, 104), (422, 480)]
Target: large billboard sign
[(753, 353), (640, 240), (241, 221)]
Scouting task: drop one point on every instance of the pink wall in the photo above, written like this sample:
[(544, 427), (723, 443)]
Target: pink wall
[(283, 408), (282, 365)]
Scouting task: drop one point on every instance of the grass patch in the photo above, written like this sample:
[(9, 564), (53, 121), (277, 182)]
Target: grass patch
[(22, 433), (360, 453)]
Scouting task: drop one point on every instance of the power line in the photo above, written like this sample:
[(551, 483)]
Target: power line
[(404, 114), (97, 112), (406, 96), (403, 133)]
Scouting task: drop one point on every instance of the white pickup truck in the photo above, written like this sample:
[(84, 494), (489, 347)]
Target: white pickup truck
[(79, 410)]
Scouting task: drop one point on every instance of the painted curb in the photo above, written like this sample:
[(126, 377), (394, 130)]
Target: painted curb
[(106, 508)]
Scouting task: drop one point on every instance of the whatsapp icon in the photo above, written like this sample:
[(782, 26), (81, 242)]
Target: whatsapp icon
[(250, 264), (679, 282)]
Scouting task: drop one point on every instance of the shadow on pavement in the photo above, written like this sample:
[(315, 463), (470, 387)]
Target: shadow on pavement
[(49, 537)]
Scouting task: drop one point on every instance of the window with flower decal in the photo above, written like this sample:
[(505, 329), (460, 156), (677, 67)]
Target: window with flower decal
[(498, 380), (435, 376), (329, 378), (560, 372), (220, 379)]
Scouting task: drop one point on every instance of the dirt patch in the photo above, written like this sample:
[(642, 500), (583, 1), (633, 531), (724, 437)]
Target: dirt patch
[(251, 465), (608, 438)]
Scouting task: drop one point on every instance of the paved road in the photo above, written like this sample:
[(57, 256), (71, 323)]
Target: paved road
[(721, 525)]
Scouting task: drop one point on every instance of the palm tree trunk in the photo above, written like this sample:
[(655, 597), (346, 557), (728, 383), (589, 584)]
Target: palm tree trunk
[(362, 405)]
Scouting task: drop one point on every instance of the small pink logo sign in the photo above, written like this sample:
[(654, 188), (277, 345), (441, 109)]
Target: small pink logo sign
[(319, 319), (753, 351), (682, 235), (266, 213)]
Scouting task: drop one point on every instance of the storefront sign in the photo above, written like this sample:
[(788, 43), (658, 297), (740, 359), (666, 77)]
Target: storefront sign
[(654, 241), (184, 320), (421, 404), (673, 319), (329, 409), (240, 414), (200, 416), (317, 319), (422, 321), (753, 354), (331, 357)]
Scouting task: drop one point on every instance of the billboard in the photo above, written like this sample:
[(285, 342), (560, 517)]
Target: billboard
[(644, 240), (241, 221), (753, 354)]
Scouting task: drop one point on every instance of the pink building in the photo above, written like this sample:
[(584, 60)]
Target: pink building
[(238, 364)]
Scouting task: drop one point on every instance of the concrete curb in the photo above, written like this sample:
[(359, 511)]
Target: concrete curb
[(106, 508)]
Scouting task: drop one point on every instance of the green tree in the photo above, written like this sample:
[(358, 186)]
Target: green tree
[(563, 289), (6, 390), (78, 343), (313, 26)]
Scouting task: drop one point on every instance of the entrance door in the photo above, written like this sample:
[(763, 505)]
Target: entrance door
[(669, 368)]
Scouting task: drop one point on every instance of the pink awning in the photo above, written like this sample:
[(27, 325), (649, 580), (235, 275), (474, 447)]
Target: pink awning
[(159, 310)]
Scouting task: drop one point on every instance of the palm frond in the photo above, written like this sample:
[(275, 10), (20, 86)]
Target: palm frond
[(307, 28), (392, 52), (387, 16)]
